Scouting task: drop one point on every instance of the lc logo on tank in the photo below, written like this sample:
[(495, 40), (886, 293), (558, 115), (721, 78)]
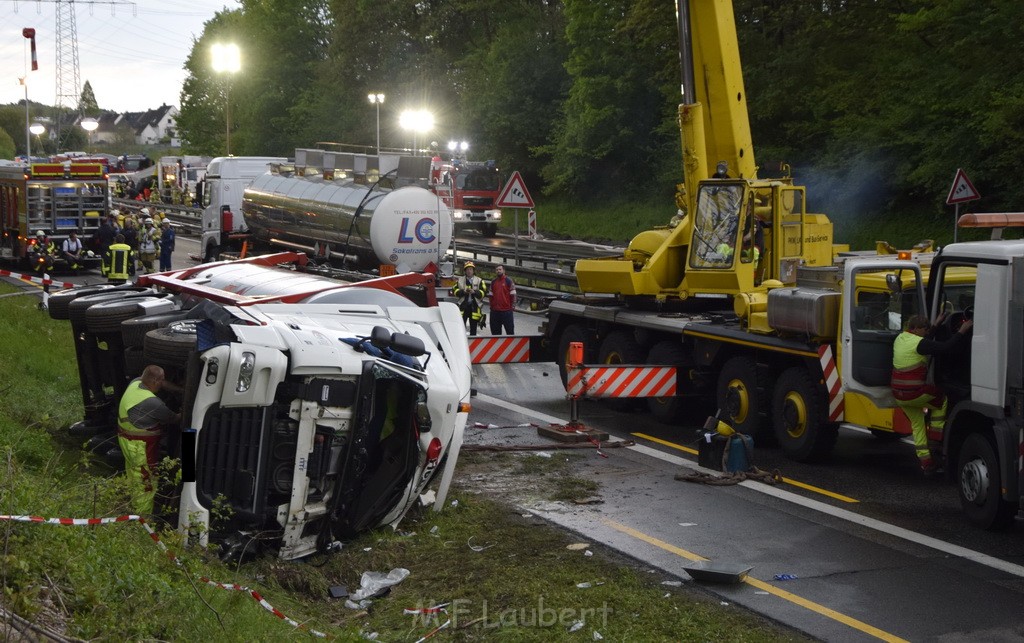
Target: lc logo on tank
[(422, 231)]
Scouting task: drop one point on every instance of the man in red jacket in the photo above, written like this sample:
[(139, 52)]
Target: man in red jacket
[(503, 303)]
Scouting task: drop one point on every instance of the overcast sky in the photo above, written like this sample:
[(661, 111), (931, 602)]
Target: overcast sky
[(134, 58)]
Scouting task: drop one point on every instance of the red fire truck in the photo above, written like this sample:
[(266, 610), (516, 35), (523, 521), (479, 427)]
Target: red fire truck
[(58, 198)]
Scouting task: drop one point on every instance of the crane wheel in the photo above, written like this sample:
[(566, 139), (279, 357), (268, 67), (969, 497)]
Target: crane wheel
[(799, 407)]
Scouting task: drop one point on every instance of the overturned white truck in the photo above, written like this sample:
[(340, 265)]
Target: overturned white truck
[(312, 409)]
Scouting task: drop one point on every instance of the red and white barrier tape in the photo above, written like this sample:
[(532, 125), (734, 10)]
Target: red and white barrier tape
[(79, 522), (38, 280), (429, 611)]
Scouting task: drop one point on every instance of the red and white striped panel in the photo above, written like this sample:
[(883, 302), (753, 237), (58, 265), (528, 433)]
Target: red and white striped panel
[(622, 381), (37, 280), (836, 404), (499, 349)]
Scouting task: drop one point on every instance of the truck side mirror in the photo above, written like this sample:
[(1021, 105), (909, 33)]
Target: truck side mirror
[(380, 337), (407, 345)]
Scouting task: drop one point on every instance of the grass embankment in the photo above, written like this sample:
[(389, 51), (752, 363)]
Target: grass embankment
[(113, 583), (619, 221)]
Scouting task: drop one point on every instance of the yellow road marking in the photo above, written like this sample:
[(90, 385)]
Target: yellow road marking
[(795, 483), (763, 586)]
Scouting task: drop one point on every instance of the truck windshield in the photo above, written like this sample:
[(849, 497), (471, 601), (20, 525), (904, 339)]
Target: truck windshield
[(715, 226), (477, 180)]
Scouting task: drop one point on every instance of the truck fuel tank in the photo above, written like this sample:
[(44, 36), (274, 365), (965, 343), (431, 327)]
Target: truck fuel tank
[(808, 311)]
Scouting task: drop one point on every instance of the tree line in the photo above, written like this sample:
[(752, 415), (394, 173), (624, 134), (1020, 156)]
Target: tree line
[(873, 103)]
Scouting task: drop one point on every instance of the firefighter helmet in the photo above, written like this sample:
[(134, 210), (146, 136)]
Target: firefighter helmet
[(469, 264), (40, 233), (144, 212), (148, 221)]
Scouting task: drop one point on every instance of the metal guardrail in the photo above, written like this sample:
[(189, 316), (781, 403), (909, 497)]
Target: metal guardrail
[(188, 220)]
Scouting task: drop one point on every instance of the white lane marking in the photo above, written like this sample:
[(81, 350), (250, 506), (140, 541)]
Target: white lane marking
[(836, 512)]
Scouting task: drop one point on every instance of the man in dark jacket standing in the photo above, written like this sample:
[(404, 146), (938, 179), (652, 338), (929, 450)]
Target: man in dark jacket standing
[(166, 245), (503, 303)]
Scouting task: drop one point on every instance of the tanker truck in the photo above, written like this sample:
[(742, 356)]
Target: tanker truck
[(312, 409), (353, 223)]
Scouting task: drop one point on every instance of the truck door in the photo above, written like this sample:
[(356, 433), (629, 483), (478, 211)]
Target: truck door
[(878, 299)]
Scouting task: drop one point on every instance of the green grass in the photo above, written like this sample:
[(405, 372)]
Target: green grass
[(113, 583)]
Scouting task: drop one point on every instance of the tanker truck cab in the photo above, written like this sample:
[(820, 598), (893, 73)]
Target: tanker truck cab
[(222, 187), (313, 420)]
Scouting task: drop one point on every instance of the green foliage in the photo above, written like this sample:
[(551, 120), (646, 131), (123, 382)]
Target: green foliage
[(87, 102), (7, 146)]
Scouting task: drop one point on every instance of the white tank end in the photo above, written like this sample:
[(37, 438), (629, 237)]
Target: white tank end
[(411, 227)]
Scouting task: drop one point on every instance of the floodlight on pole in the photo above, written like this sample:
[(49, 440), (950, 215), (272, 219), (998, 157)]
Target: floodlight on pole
[(89, 125), (227, 60), (377, 99), (417, 121)]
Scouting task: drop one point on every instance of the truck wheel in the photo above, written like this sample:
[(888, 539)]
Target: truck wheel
[(77, 307), (58, 302), (668, 410), (212, 253), (134, 362), (798, 409), (172, 345), (619, 347), (979, 485), (133, 331), (106, 316), (490, 230), (741, 397), (572, 333)]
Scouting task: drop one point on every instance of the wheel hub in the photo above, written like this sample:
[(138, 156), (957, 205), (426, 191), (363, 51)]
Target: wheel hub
[(974, 481), (737, 402), (794, 414)]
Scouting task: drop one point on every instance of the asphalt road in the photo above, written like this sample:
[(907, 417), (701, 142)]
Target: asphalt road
[(877, 551)]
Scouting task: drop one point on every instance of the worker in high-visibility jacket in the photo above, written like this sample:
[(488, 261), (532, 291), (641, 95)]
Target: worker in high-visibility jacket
[(141, 416), (910, 358), (469, 290), (118, 262)]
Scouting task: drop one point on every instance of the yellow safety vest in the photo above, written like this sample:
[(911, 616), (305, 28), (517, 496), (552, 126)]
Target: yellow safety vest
[(133, 395), (117, 261)]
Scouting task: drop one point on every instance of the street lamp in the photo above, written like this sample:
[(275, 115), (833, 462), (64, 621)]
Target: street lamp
[(418, 121), (226, 59), (377, 99), (89, 125), (37, 130)]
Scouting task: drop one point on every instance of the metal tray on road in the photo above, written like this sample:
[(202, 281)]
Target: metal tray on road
[(712, 572)]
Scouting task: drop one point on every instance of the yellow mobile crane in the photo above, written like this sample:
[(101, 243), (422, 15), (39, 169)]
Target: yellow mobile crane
[(734, 233), (744, 292)]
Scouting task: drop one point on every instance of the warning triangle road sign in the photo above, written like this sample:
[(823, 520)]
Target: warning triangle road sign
[(515, 194), (963, 190)]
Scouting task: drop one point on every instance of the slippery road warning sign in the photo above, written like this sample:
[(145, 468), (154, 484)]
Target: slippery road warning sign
[(515, 194), (962, 191)]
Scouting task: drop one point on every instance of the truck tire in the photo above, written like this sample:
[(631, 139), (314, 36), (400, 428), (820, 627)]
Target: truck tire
[(668, 410), (799, 408), (77, 307), (619, 347), (490, 230), (133, 331), (742, 398), (979, 482), (212, 253), (572, 333), (134, 361), (58, 302), (171, 346), (106, 316)]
